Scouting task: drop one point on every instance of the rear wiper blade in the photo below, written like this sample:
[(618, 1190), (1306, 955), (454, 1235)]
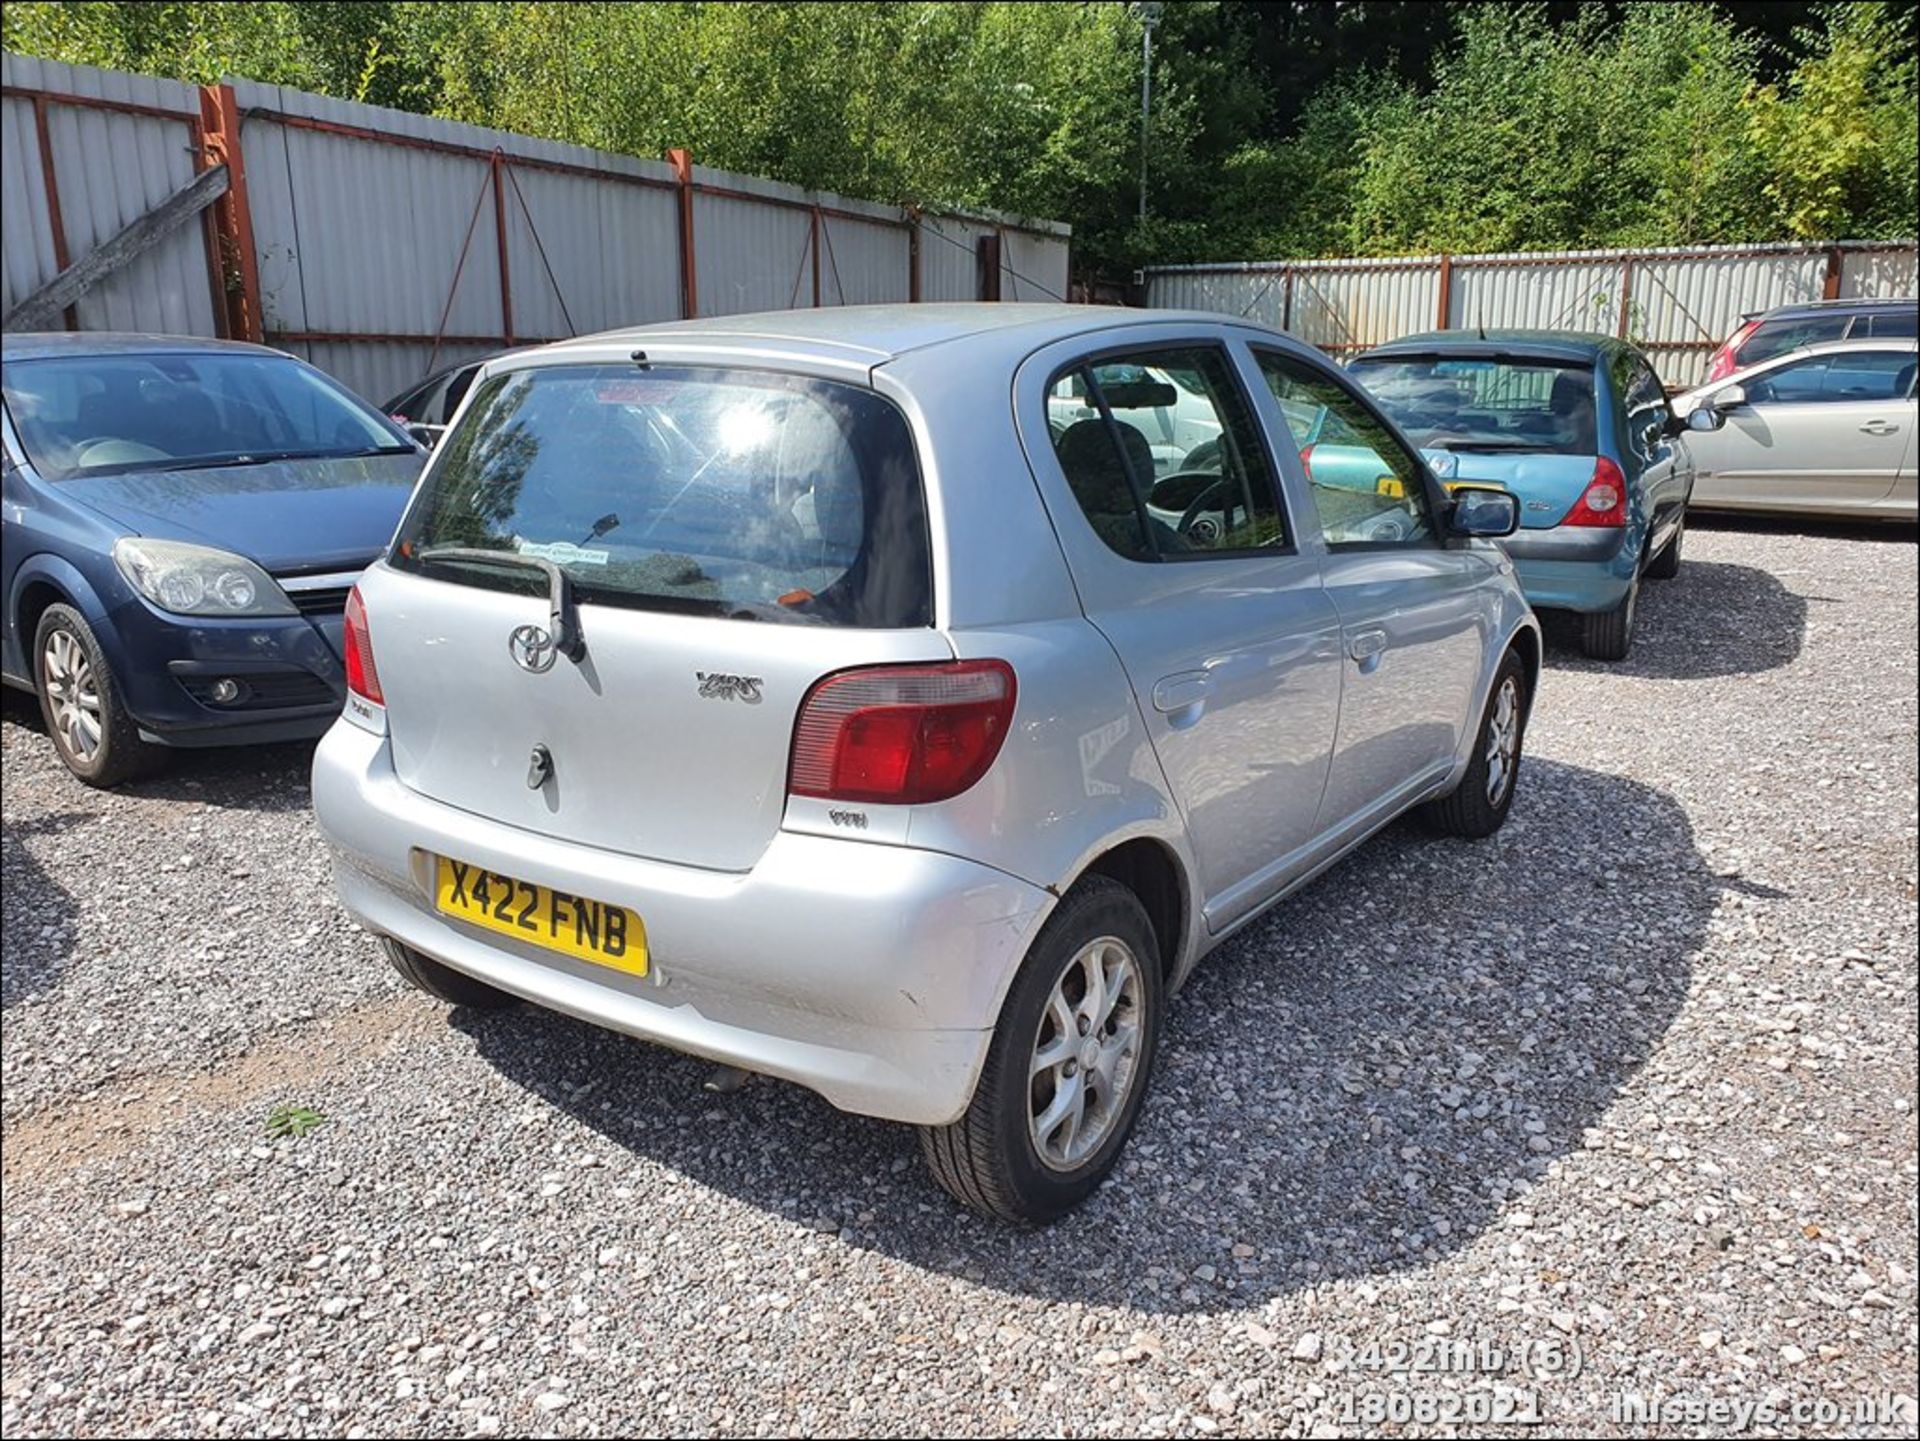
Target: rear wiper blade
[(563, 619), (1466, 444)]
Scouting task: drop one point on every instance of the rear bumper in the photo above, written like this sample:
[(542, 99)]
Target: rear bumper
[(1573, 567), (872, 974)]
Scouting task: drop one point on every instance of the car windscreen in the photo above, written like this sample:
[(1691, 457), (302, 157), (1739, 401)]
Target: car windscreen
[(105, 414), (1487, 403), (739, 493)]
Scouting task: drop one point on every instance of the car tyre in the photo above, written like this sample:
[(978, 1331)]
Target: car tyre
[(1666, 565), (92, 732), (1010, 1156), (443, 982), (1608, 634), (1478, 806)]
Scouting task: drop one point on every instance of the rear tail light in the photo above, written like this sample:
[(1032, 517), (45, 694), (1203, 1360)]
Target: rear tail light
[(1306, 460), (1726, 359), (1605, 499), (901, 734), (362, 678)]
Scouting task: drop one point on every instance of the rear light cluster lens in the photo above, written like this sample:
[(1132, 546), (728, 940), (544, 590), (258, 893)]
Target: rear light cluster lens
[(1726, 359), (1306, 460), (1605, 500), (362, 678), (903, 734)]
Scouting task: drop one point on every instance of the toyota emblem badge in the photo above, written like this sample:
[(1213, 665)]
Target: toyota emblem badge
[(532, 648)]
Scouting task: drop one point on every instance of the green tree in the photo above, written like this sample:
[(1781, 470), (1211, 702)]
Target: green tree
[(1279, 128), (1840, 139)]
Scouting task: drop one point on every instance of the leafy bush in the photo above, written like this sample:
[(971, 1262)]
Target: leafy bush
[(1315, 128)]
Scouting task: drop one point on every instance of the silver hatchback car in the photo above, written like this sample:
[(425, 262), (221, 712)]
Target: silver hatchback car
[(902, 700)]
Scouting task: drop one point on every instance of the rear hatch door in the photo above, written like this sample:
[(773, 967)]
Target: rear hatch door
[(1547, 485), (1524, 421), (728, 538)]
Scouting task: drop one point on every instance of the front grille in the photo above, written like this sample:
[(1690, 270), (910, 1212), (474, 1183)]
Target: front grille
[(271, 690), (331, 601)]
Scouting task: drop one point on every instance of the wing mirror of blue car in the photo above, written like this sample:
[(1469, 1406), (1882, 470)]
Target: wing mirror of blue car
[(1482, 510), (1730, 397)]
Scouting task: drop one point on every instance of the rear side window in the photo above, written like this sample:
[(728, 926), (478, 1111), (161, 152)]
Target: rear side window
[(1470, 402), (738, 493), (1161, 451), (1367, 490), (1888, 325), (1777, 337), (1648, 414)]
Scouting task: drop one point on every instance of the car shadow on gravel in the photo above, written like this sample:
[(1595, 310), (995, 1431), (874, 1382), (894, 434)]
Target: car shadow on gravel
[(246, 778), (38, 917), (1367, 1079), (1892, 532), (1712, 620)]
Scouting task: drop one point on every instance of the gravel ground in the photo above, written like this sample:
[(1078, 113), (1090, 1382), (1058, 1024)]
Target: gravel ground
[(1621, 1102)]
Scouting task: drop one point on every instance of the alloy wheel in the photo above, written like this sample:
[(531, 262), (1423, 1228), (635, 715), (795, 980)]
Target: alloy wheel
[(1503, 741), (72, 695), (1086, 1054)]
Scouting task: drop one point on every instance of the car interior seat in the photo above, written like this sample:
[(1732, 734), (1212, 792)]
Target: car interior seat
[(1099, 480)]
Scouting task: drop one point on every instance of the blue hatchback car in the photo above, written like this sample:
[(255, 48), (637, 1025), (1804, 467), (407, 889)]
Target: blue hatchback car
[(1579, 428), (180, 523)]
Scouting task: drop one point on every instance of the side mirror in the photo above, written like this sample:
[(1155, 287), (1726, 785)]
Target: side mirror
[(1705, 417), (1485, 511), (427, 435), (1730, 397)]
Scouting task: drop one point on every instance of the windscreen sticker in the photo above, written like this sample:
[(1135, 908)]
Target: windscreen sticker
[(634, 392), (562, 552)]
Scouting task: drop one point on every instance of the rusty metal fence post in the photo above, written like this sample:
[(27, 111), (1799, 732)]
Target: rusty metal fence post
[(238, 265), (913, 254), (500, 240), (682, 163)]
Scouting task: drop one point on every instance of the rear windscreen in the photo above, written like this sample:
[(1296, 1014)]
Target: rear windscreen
[(1485, 403), (739, 493)]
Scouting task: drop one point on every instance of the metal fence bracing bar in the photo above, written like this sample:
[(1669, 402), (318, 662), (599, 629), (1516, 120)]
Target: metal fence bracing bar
[(118, 251), (51, 184)]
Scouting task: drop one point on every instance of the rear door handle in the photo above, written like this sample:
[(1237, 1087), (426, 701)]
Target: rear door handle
[(1879, 427), (1367, 644), (1179, 692)]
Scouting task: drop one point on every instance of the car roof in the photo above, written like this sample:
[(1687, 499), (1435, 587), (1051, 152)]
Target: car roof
[(875, 334), (1585, 345), (46, 344), (1821, 307)]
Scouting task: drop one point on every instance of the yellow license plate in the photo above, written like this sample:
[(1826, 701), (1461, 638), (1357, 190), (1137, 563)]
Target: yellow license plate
[(1387, 485), (597, 931)]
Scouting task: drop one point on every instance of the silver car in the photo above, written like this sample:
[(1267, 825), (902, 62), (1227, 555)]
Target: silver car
[(795, 691), (1828, 430)]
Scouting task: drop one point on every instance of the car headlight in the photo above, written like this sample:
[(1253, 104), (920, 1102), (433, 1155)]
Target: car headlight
[(198, 580)]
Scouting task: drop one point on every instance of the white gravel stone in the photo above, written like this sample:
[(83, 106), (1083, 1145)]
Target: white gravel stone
[(1555, 1081)]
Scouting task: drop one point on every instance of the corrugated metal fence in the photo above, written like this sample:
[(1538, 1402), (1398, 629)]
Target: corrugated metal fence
[(377, 243), (1677, 303)]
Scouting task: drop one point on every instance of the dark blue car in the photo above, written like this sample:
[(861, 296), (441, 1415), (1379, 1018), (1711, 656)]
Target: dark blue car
[(180, 523)]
